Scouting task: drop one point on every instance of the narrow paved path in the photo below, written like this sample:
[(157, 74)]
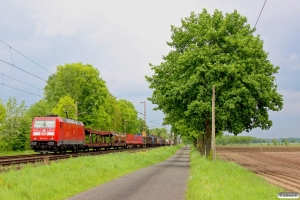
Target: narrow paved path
[(166, 180)]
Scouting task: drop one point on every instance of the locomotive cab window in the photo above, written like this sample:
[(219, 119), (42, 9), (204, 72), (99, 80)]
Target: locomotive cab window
[(44, 124)]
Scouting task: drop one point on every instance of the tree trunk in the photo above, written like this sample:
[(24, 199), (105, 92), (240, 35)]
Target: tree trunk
[(200, 144), (175, 138), (203, 144), (195, 142)]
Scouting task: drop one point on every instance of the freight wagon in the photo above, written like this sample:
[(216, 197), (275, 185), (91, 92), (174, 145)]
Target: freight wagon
[(106, 140)]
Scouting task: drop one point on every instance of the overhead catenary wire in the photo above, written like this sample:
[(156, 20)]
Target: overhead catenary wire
[(20, 90), (22, 70), (156, 123), (25, 56), (13, 65), (12, 60), (18, 81), (260, 13)]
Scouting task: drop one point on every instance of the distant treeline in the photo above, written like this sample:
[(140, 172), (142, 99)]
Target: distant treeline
[(228, 139)]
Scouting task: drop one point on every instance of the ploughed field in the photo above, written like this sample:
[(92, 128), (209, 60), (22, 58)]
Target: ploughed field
[(279, 165)]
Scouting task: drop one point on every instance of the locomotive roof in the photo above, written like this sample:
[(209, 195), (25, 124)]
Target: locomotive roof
[(70, 121)]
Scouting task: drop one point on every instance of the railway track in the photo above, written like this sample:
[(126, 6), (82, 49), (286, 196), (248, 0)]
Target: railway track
[(46, 158), (279, 168)]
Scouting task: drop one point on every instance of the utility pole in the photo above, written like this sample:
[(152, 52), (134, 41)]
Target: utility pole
[(125, 127), (76, 111), (66, 112), (213, 141), (145, 117), (144, 127)]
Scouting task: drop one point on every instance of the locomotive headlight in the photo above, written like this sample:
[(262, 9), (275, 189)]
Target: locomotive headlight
[(34, 138), (51, 138)]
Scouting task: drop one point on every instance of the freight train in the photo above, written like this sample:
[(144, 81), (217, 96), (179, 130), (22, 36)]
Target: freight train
[(56, 134)]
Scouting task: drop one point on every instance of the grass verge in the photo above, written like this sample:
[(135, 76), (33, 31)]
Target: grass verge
[(226, 180), (63, 179), (13, 153)]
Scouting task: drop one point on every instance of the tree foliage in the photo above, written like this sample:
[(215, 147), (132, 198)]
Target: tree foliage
[(216, 50), (286, 142), (40, 108), (97, 107), (16, 126), (227, 139), (83, 84), (129, 115), (2, 114), (160, 132), (65, 107)]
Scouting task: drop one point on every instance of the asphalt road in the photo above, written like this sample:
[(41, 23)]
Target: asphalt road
[(166, 180)]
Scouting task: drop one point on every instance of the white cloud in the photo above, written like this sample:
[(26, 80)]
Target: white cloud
[(291, 101)]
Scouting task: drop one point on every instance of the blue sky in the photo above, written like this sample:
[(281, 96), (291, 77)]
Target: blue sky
[(121, 38)]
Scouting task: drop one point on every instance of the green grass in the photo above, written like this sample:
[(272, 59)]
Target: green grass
[(226, 180), (12, 153), (63, 179)]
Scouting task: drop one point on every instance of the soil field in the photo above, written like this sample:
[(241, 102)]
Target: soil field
[(279, 165)]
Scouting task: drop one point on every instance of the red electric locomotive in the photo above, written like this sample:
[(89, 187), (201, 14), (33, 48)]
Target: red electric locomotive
[(55, 134)]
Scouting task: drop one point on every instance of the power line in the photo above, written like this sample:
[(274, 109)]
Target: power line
[(260, 12), (20, 90), (13, 65), (26, 57), (12, 61), (18, 81), (23, 70), (156, 123)]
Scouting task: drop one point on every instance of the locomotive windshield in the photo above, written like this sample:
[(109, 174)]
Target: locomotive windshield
[(44, 124)]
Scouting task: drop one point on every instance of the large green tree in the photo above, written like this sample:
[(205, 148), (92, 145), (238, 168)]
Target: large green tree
[(40, 108), (222, 51), (110, 115), (129, 116), (83, 84)]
